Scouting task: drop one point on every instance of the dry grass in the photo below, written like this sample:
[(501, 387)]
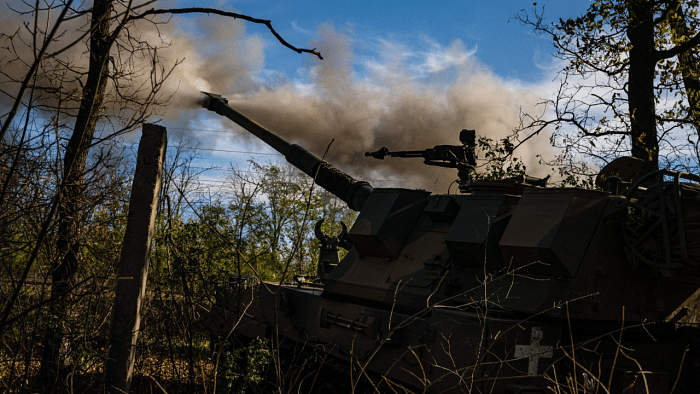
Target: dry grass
[(153, 373)]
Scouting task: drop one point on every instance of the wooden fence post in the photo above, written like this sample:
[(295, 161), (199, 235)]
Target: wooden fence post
[(133, 263)]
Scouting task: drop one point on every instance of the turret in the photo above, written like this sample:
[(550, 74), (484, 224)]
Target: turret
[(342, 185)]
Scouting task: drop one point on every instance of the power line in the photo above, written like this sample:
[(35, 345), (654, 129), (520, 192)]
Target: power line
[(135, 144), (189, 129), (239, 151)]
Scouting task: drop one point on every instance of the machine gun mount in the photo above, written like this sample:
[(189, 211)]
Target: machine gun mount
[(460, 157)]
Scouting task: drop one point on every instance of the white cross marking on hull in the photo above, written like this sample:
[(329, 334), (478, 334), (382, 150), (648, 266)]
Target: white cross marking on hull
[(534, 352)]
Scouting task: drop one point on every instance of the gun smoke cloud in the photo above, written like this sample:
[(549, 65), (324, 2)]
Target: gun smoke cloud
[(401, 98)]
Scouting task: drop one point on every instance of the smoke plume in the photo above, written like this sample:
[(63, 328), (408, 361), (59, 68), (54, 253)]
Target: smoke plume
[(402, 98), (366, 93)]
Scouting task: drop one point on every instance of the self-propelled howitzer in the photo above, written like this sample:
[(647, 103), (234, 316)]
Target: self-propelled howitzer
[(508, 287)]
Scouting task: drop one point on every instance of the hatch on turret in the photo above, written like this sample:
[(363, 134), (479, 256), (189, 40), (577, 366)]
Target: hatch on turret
[(551, 229), (386, 221), (473, 238)]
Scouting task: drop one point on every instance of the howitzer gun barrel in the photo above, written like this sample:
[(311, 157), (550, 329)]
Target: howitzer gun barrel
[(342, 185)]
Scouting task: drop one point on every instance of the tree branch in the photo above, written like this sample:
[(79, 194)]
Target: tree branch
[(200, 10), (678, 49), (30, 74)]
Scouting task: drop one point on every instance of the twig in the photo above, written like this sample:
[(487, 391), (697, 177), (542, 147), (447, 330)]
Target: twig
[(234, 15)]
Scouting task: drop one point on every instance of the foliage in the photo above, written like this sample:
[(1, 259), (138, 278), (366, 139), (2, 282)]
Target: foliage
[(26, 199), (246, 365), (79, 75), (628, 84), (196, 248), (265, 229), (499, 160)]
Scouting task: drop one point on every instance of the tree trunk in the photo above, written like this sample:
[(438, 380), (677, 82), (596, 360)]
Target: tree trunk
[(72, 199), (640, 89)]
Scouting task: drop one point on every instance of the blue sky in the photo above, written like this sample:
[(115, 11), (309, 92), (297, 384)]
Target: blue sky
[(488, 28), (402, 74)]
